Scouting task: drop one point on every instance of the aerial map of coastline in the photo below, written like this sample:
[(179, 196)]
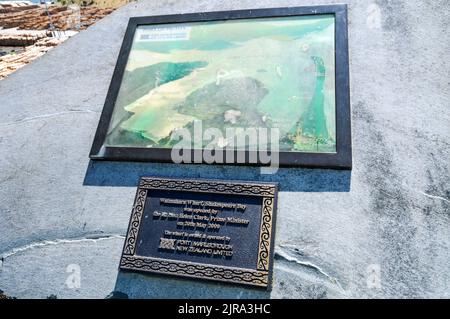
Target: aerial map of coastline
[(271, 73)]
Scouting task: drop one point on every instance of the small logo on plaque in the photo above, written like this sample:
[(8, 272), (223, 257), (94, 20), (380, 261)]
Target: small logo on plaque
[(208, 229)]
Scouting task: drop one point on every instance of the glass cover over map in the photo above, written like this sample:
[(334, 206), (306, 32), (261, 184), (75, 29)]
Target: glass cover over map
[(262, 73)]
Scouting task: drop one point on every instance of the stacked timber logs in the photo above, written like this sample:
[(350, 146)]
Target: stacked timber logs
[(40, 17), (19, 38), (27, 30), (11, 62)]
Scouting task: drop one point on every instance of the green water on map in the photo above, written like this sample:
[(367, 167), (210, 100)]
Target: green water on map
[(241, 73)]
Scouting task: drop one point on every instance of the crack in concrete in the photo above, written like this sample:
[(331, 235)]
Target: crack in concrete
[(44, 116), (435, 197), (93, 238), (286, 256), (421, 192)]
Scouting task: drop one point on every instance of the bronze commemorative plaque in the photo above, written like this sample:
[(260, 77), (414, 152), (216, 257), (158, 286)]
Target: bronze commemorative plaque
[(207, 229)]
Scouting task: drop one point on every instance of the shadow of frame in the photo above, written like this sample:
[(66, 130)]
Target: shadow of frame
[(127, 174)]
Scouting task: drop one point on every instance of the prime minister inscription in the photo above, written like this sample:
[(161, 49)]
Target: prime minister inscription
[(208, 229)]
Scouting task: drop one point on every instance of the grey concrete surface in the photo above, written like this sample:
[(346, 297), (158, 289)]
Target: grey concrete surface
[(381, 231)]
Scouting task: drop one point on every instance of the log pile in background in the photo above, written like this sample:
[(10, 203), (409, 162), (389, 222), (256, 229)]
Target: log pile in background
[(35, 17), (37, 30), (11, 62), (19, 38), (42, 44)]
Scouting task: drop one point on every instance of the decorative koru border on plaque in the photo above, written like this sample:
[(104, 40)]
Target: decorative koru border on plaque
[(197, 270), (136, 215), (257, 277), (208, 186), (265, 235)]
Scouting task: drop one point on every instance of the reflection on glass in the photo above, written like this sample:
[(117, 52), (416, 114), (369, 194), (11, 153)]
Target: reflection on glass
[(275, 72)]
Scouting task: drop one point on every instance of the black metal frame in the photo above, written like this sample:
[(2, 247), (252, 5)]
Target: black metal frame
[(342, 159)]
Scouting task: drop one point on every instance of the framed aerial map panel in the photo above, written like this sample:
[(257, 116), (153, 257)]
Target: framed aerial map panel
[(273, 80)]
